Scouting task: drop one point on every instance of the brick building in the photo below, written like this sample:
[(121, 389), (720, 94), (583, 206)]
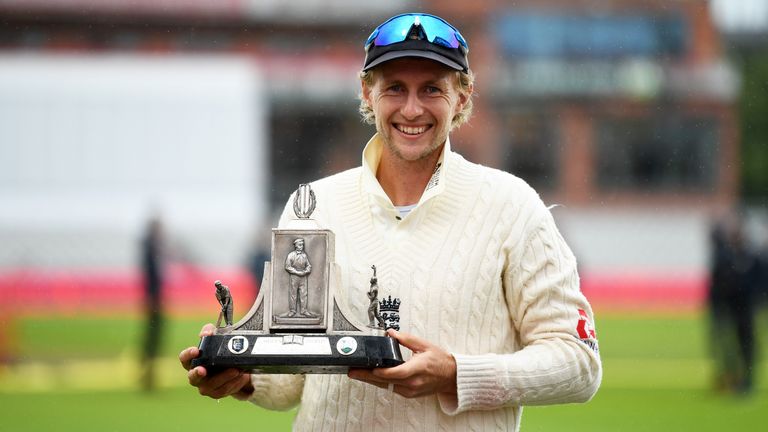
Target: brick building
[(620, 111)]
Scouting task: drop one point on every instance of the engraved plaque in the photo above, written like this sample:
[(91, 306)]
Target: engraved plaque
[(293, 345)]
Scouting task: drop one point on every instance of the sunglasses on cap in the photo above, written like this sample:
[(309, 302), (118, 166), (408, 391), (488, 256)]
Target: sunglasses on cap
[(399, 29)]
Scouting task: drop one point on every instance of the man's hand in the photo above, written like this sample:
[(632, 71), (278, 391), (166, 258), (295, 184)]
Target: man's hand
[(230, 382), (430, 370)]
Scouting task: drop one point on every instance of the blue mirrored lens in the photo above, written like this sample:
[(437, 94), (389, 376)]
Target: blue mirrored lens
[(372, 37), (393, 31), (397, 29), (439, 32)]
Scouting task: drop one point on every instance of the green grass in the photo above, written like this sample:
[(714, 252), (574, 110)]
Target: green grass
[(80, 373), (178, 409), (653, 336), (680, 409), (98, 336)]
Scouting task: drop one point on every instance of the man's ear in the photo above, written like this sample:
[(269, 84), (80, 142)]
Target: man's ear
[(464, 97), (365, 91)]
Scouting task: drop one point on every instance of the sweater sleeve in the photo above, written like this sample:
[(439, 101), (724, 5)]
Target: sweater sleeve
[(559, 360), (276, 392)]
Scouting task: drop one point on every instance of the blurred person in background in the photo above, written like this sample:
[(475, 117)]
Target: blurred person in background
[(492, 307), (153, 272), (734, 278), (761, 293)]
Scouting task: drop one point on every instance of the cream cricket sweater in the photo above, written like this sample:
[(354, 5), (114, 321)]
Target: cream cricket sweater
[(482, 271)]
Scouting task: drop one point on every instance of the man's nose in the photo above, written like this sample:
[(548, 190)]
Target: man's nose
[(412, 107)]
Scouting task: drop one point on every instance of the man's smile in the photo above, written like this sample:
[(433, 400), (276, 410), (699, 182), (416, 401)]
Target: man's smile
[(412, 130)]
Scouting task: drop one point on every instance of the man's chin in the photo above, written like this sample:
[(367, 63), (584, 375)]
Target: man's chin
[(412, 152), (426, 153)]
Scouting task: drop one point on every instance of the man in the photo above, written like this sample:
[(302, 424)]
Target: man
[(490, 302), (153, 268), (298, 267), (225, 301), (734, 276)]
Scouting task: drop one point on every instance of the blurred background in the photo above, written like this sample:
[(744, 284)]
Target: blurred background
[(147, 147)]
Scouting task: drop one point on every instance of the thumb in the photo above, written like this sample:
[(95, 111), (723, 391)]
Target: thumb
[(207, 330), (409, 341)]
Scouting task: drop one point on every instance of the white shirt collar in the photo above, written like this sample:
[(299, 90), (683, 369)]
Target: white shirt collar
[(372, 157)]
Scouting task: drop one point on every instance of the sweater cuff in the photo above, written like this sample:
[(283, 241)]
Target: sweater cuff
[(276, 392), (477, 385), (260, 390)]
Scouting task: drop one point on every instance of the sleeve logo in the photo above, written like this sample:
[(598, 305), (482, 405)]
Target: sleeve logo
[(586, 331)]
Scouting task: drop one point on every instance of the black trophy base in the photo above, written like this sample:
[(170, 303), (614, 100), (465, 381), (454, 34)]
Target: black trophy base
[(297, 353)]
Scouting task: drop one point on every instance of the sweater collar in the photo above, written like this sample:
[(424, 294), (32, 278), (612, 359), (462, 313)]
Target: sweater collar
[(372, 157)]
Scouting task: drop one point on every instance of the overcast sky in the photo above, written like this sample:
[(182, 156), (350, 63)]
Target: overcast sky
[(741, 15)]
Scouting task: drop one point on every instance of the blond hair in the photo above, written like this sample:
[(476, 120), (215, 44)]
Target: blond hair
[(466, 81)]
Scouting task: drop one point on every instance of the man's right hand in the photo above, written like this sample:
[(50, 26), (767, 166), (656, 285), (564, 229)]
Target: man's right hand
[(230, 382)]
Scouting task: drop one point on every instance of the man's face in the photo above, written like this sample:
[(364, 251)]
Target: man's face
[(414, 101), (300, 245)]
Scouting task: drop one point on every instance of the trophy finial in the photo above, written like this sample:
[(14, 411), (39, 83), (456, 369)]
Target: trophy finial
[(374, 316), (304, 201)]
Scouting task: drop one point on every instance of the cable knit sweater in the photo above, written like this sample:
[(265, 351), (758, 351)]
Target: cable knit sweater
[(481, 271)]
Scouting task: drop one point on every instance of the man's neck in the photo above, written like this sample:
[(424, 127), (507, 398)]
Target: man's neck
[(404, 181)]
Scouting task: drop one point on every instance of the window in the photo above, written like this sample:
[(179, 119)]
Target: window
[(308, 143), (531, 149), (540, 34), (668, 153)]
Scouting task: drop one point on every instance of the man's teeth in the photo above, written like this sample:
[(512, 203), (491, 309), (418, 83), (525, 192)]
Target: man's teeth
[(411, 130)]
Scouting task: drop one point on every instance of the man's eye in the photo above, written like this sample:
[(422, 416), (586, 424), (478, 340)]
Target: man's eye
[(433, 90), (395, 88)]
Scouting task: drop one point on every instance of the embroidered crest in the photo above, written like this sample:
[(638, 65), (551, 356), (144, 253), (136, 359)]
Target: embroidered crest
[(586, 331), (390, 312)]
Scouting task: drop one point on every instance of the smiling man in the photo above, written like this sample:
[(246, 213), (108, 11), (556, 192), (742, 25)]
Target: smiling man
[(491, 310)]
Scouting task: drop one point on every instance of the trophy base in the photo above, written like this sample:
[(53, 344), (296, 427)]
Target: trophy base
[(297, 353)]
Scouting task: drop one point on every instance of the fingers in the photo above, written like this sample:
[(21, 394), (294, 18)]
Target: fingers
[(246, 390), (187, 355), (195, 376), (430, 370), (409, 341), (228, 386), (223, 384), (368, 377), (382, 377), (207, 330)]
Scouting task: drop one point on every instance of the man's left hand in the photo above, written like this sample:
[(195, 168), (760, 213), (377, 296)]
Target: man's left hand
[(430, 370)]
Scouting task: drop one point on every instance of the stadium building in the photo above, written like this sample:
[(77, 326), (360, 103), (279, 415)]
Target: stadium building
[(210, 113)]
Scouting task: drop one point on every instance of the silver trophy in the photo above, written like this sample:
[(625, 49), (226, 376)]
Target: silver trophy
[(298, 323)]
